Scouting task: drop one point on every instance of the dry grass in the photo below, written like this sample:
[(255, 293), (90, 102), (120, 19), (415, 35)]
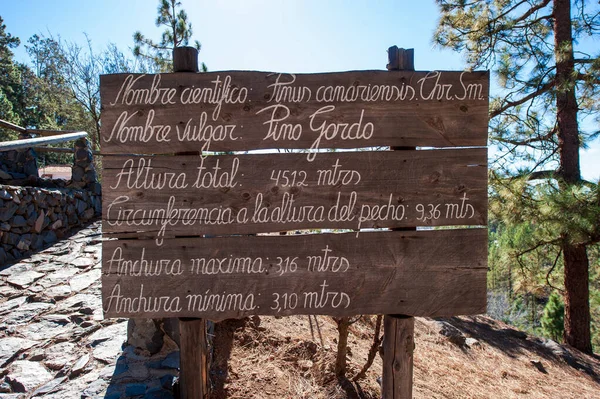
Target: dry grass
[(293, 357)]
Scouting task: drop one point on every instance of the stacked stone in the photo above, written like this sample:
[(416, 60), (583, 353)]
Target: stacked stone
[(84, 172), (18, 165), (32, 217)]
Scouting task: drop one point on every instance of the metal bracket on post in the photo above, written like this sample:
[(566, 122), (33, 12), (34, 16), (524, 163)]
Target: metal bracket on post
[(399, 330)]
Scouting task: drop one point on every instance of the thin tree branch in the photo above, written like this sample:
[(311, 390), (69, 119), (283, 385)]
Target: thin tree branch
[(551, 270), (532, 10), (372, 351), (510, 104)]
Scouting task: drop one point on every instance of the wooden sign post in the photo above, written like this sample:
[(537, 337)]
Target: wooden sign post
[(197, 235), (193, 340), (398, 330)]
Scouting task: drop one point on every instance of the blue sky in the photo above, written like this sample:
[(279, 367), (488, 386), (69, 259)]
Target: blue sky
[(267, 35)]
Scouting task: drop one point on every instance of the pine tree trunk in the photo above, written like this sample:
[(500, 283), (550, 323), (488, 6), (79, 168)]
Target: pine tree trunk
[(343, 325), (577, 308)]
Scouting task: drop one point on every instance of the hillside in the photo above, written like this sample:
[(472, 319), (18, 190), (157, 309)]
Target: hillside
[(293, 357)]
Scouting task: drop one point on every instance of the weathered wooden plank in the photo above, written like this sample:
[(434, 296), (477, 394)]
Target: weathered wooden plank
[(233, 110), (420, 273), (193, 359), (246, 194), (398, 348)]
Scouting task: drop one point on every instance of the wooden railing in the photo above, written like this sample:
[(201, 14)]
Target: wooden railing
[(39, 143)]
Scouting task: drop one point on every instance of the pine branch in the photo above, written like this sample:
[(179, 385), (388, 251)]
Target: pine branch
[(551, 270), (585, 60), (543, 175), (505, 13), (510, 104), (528, 141), (588, 78), (535, 21), (531, 11)]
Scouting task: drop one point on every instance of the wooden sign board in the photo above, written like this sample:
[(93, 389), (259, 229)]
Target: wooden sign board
[(246, 194), (430, 273), (230, 111), (166, 210)]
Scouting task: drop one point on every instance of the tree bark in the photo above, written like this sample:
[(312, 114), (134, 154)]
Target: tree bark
[(577, 308), (343, 325)]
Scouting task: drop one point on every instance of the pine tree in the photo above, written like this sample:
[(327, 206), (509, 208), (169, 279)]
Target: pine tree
[(10, 81), (553, 317), (178, 32), (547, 86)]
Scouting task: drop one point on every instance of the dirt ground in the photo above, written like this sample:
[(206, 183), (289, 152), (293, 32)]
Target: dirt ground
[(293, 357)]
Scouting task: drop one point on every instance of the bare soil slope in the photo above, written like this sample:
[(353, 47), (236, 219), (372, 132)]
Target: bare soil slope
[(293, 357)]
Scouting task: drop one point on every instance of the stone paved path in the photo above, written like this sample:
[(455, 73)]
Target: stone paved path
[(53, 340)]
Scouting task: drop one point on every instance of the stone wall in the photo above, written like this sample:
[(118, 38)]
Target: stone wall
[(33, 217), (19, 168)]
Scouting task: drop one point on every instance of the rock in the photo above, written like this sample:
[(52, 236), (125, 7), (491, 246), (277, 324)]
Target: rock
[(472, 343), (166, 381), (37, 354), (145, 334), (7, 211), (18, 221), (453, 334), (26, 312), (49, 237), (49, 387), (24, 279), (5, 175), (77, 173), (24, 376), (79, 366), (58, 292), (560, 351), (56, 225), (37, 242), (158, 394), (10, 238), (11, 347), (82, 262), (4, 387), (118, 330), (538, 365), (95, 389), (43, 330), (135, 389), (24, 244), (108, 351), (39, 222), (87, 214), (5, 195), (12, 303), (79, 301), (82, 281), (60, 276), (59, 355), (8, 291), (171, 361)]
